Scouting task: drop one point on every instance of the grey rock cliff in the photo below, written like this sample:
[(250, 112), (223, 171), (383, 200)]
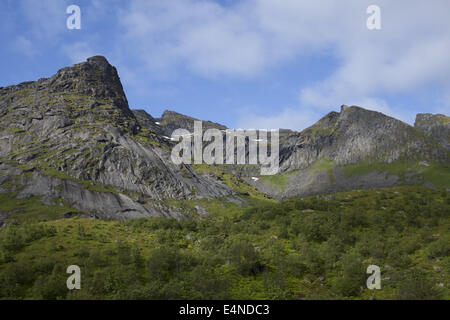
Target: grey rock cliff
[(313, 160), (359, 135), (77, 126), (436, 126)]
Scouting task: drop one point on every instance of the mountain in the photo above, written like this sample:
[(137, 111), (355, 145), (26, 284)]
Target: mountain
[(436, 126), (70, 144), (146, 121), (357, 148), (72, 141), (171, 120)]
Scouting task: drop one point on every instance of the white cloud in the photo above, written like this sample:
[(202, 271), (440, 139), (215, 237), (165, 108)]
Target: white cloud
[(243, 39), (252, 36), (201, 35), (409, 53)]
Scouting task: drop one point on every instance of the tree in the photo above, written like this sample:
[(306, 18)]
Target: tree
[(352, 276), (243, 256), (415, 285)]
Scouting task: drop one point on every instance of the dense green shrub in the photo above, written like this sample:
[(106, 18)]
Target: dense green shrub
[(298, 248), (414, 284)]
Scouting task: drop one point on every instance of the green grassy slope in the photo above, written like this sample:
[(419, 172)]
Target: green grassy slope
[(410, 172), (310, 248)]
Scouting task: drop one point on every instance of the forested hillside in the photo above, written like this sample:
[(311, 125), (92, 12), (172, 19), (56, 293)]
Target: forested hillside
[(311, 248)]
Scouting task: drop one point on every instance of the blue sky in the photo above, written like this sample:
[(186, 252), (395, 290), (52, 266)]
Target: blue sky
[(249, 63)]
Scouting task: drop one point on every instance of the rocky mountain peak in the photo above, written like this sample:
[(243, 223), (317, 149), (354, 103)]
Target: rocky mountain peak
[(75, 137), (429, 119), (85, 93), (170, 113), (95, 78), (356, 113), (99, 61), (436, 126), (171, 120)]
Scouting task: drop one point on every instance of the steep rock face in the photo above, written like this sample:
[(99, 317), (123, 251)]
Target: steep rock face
[(359, 135), (77, 126), (436, 126), (82, 94), (148, 122), (319, 158)]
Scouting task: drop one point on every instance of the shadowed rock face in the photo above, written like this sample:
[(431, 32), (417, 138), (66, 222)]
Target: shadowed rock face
[(147, 121), (359, 135), (436, 126), (76, 126), (312, 161)]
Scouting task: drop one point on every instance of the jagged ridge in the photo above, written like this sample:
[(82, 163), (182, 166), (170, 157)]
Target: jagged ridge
[(76, 126), (73, 138)]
